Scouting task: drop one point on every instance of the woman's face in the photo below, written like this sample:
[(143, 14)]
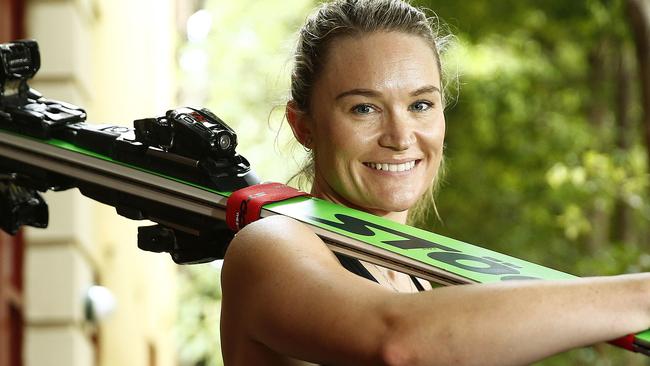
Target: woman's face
[(376, 121)]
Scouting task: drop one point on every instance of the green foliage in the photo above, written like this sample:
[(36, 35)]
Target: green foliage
[(540, 163), (535, 163), (240, 71), (197, 330), (244, 76)]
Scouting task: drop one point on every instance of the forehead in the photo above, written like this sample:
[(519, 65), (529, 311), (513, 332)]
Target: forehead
[(383, 61)]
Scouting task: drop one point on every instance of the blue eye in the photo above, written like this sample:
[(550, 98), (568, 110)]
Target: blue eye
[(420, 106), (362, 109)]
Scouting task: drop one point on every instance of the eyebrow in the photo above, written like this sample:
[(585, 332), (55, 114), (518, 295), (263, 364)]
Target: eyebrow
[(373, 93), (425, 90), (363, 92)]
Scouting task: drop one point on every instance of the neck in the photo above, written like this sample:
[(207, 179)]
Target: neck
[(324, 191)]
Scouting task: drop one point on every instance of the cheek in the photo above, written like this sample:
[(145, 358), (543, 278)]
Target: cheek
[(339, 143), (433, 137), (439, 133), (432, 141), (440, 128)]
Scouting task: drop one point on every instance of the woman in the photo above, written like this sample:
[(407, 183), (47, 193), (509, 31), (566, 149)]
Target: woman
[(367, 100)]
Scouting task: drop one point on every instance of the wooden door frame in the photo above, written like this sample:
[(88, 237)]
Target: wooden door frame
[(12, 19), (12, 249)]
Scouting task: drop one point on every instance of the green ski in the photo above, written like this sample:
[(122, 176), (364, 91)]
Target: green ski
[(178, 170)]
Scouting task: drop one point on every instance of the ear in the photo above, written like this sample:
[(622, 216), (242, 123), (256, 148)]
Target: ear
[(300, 124)]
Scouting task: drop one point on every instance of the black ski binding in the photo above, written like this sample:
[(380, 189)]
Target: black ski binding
[(184, 247), (189, 144), (20, 205), (23, 109), (192, 140)]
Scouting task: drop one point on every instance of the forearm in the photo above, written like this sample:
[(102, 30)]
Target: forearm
[(517, 322)]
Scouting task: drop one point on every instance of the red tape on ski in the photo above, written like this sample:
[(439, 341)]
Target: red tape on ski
[(626, 342), (244, 205)]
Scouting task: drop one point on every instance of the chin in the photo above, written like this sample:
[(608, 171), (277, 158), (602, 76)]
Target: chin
[(394, 202)]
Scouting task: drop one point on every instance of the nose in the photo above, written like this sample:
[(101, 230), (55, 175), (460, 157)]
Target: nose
[(397, 132)]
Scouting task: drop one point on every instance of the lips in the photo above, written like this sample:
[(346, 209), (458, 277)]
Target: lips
[(392, 167)]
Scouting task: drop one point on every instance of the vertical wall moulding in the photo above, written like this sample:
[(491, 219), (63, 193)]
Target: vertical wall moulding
[(11, 300), (60, 263), (11, 248), (116, 60)]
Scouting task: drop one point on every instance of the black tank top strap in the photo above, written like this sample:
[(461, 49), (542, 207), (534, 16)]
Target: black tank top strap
[(417, 284), (353, 265)]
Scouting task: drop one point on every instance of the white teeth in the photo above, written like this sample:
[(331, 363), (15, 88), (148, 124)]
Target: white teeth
[(392, 167)]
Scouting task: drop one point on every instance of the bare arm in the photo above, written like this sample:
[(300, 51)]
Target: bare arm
[(284, 289), (519, 322)]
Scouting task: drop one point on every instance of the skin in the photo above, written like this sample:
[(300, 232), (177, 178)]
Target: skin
[(286, 297), (393, 114)]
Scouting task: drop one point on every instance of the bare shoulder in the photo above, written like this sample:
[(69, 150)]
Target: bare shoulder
[(275, 229), (276, 276), (278, 245), (274, 238)]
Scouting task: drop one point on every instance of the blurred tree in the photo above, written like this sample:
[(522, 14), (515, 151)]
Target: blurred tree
[(546, 159), (639, 15), (239, 70), (197, 328), (545, 156), (234, 63)]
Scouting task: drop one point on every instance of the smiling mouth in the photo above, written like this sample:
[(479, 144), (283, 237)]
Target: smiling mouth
[(402, 167)]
